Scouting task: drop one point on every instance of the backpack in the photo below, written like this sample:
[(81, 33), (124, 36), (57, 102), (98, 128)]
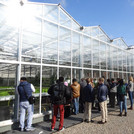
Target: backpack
[(58, 93)]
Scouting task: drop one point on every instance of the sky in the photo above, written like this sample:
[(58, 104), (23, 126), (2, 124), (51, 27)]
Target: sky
[(116, 17)]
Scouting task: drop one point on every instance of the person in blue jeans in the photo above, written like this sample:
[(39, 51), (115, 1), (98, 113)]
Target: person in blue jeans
[(130, 89), (76, 94), (25, 90), (121, 90)]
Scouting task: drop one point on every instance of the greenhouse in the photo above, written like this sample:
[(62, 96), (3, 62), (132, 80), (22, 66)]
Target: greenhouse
[(42, 42)]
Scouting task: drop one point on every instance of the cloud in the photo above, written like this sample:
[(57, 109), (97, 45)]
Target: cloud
[(131, 2)]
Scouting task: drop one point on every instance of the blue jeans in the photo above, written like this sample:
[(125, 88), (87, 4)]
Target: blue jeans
[(76, 105), (131, 98), (25, 106), (123, 104)]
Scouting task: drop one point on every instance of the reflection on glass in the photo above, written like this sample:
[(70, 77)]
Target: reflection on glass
[(66, 73), (65, 47), (95, 54), (49, 77), (7, 91), (87, 74), (76, 73), (96, 74), (76, 49), (50, 45)]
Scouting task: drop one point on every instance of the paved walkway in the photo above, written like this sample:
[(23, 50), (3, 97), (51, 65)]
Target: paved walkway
[(115, 125), (44, 127)]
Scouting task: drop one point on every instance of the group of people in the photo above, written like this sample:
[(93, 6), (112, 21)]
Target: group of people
[(84, 96)]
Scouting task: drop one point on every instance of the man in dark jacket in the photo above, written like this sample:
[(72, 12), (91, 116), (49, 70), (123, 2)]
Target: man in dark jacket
[(82, 85), (58, 93), (113, 91), (88, 98), (102, 98), (25, 90)]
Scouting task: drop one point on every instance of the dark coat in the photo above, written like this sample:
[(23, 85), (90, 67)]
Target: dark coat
[(25, 91), (102, 93), (88, 93), (63, 89)]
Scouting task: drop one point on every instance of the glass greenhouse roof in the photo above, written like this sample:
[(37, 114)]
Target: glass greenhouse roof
[(14, 18)]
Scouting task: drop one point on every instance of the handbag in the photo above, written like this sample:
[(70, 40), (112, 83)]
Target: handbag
[(31, 99)]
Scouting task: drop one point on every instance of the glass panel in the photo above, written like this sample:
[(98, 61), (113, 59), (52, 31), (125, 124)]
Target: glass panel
[(103, 73), (95, 53), (75, 26), (115, 75), (102, 55), (120, 75), (66, 73), (109, 58), (124, 61), (103, 36), (31, 42), (49, 77), (129, 62), (120, 59), (132, 63), (76, 49), (50, 51), (87, 74), (51, 12), (65, 20), (8, 34), (32, 73), (7, 90), (109, 74), (87, 52), (96, 74), (65, 47), (76, 74), (115, 63), (125, 77)]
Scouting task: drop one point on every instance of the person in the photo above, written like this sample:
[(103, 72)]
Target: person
[(121, 89), (76, 94), (130, 91), (117, 84), (88, 98), (58, 94), (113, 91), (25, 90), (102, 98), (68, 106), (109, 85), (82, 85)]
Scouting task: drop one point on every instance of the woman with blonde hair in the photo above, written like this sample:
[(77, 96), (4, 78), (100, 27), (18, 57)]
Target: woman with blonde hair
[(130, 91)]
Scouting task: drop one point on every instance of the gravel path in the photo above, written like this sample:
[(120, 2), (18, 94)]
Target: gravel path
[(115, 125)]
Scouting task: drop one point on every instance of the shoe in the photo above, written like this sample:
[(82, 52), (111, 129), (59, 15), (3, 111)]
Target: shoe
[(30, 129), (52, 129), (100, 122), (22, 129), (84, 120), (105, 121), (125, 114), (120, 114), (61, 129), (90, 121), (130, 108)]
